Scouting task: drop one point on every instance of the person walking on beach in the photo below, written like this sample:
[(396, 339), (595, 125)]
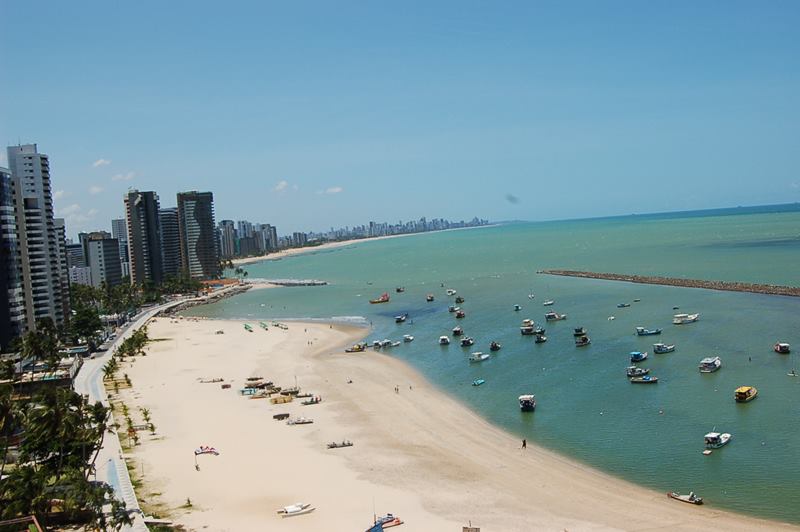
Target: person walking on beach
[(524, 443)]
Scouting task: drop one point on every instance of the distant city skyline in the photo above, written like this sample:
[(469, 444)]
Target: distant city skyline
[(308, 117)]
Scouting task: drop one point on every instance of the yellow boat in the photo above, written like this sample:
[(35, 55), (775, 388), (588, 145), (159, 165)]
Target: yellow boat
[(744, 394)]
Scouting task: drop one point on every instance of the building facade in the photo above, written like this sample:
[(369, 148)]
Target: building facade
[(144, 237), (196, 227), (170, 241), (42, 258), (102, 256), (12, 301), (227, 239)]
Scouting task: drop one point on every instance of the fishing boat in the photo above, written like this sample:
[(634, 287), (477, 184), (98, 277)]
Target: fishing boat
[(466, 342), (663, 348), (527, 327), (458, 331), (248, 328), (517, 308), (715, 440), (356, 348), (394, 344), (384, 522), (527, 403), (691, 498), (680, 319), (782, 348), (312, 401), (478, 382), (710, 364), (638, 356), (300, 421), (495, 346), (451, 308), (478, 356), (451, 291), (401, 318), (408, 338), (400, 289), (460, 314), (338, 445), (635, 371), (548, 303), (644, 379), (579, 331), (444, 340), (429, 298), (581, 341), (459, 299), (554, 316), (745, 394), (641, 331), (384, 298), (538, 330), (296, 509), (540, 339), (623, 305)]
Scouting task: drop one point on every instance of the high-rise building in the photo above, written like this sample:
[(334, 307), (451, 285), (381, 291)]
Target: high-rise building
[(244, 229), (199, 254), (227, 239), (144, 237), (42, 256), (12, 302), (170, 241), (63, 267), (102, 256), (119, 230), (75, 256)]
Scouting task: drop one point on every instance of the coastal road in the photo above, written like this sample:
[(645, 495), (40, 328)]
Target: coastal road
[(110, 465)]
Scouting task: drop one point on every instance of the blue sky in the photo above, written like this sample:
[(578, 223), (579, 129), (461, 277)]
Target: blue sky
[(308, 115)]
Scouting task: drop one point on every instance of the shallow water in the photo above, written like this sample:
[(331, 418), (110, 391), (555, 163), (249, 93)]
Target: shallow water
[(649, 434)]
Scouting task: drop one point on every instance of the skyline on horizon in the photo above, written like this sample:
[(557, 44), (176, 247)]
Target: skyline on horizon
[(337, 115)]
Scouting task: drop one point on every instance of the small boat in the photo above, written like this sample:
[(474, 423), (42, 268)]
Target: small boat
[(638, 356), (356, 348), (611, 318), (280, 417), (715, 440), (635, 371), (641, 331), (295, 509), (338, 445), (538, 330), (459, 299), (644, 379), (579, 331), (548, 303), (745, 394), (401, 318), (394, 344), (478, 382), (478, 356), (527, 331), (408, 338), (451, 308), (444, 340), (663, 348), (300, 421), (384, 522), (458, 331), (495, 346), (691, 498), (451, 291), (384, 298), (540, 339), (386, 343), (636, 300), (466, 342), (312, 401), (623, 305), (710, 364), (581, 341), (376, 344), (527, 403), (554, 316), (429, 298), (680, 319), (517, 308), (400, 289), (460, 314), (531, 296), (782, 348)]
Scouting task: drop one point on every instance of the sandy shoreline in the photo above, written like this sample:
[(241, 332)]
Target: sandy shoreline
[(418, 453)]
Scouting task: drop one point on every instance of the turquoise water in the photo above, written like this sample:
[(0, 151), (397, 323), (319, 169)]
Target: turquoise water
[(649, 434)]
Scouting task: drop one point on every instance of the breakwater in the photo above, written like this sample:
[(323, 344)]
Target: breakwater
[(686, 283)]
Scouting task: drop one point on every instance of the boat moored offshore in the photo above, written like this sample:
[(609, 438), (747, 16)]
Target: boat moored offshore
[(782, 348), (745, 394), (663, 348), (638, 356), (527, 403), (466, 342), (641, 331), (384, 298), (478, 356), (710, 364), (680, 319), (554, 316), (444, 340), (715, 440), (636, 371), (644, 379)]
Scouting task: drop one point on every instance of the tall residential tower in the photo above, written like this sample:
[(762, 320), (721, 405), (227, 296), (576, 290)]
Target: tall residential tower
[(199, 253), (144, 237)]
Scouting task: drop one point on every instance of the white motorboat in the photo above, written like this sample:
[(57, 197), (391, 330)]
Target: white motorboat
[(478, 356), (517, 308), (715, 440), (527, 403), (299, 508), (548, 303), (680, 319), (710, 364), (451, 292), (408, 338), (444, 340)]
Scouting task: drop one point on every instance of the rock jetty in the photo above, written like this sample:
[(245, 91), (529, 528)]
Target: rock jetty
[(686, 283)]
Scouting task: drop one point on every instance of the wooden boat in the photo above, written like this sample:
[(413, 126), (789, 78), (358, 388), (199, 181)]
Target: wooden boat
[(459, 299), (338, 445), (710, 364), (384, 298), (458, 331), (444, 340), (478, 356), (644, 379), (495, 346), (295, 509), (680, 319), (401, 318), (280, 417), (527, 403), (715, 440), (691, 498), (635, 371), (356, 348), (638, 356), (663, 348), (745, 394), (312, 401), (641, 331), (300, 421), (429, 298), (466, 342), (460, 314), (554, 316), (782, 348), (384, 522), (579, 331), (581, 341), (540, 339)]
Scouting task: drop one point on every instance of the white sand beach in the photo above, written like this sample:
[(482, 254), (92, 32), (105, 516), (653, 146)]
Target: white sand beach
[(417, 453)]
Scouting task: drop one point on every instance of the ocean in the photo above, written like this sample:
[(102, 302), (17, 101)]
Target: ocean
[(587, 410)]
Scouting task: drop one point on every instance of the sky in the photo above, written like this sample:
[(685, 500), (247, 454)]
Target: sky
[(309, 115)]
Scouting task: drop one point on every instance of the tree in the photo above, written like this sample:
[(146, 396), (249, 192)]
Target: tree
[(42, 344)]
